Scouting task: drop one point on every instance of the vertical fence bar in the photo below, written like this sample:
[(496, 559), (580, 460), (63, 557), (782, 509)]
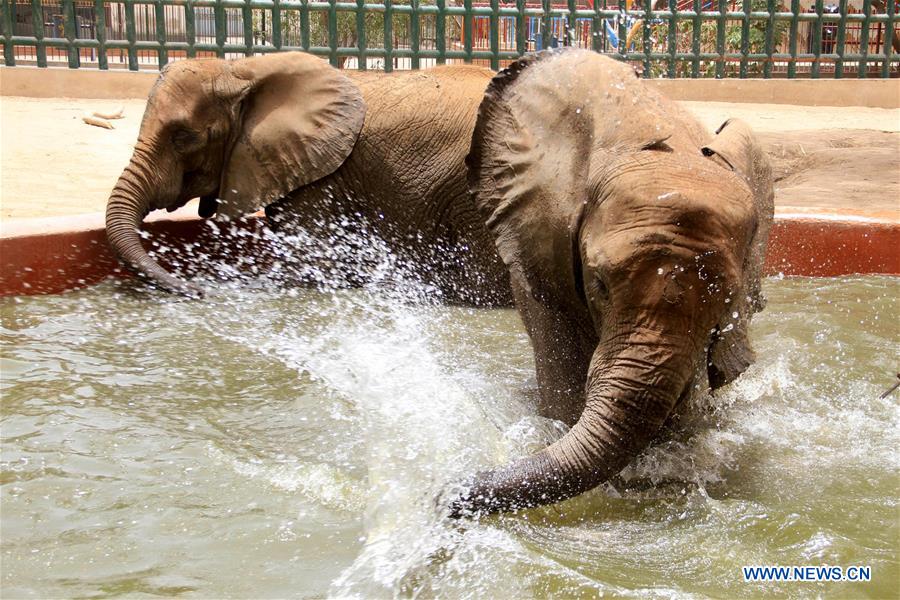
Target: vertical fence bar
[(162, 55), (389, 35), (37, 25), (646, 39), (770, 39), (623, 31), (467, 30), (277, 41), (841, 40), (495, 34), (546, 31), (70, 30), (221, 29), (672, 47), (521, 34), (361, 35), (130, 35), (596, 29), (817, 41), (414, 34), (304, 24), (792, 38), (864, 41), (440, 32), (190, 27), (100, 28), (247, 18), (332, 33), (888, 39), (572, 22), (9, 50), (695, 39), (720, 39), (745, 38)]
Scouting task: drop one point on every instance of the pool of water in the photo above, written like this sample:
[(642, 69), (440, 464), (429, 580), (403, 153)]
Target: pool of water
[(291, 443)]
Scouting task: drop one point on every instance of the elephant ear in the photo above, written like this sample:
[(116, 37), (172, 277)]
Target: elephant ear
[(298, 122), (737, 148), (543, 127)]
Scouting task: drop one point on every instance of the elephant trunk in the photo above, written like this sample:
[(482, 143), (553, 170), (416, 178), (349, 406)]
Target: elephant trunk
[(627, 401), (127, 206)]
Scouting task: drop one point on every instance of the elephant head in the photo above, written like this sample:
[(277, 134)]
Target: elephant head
[(634, 242), (238, 135)]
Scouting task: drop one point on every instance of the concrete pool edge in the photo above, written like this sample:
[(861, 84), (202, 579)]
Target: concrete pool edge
[(56, 254)]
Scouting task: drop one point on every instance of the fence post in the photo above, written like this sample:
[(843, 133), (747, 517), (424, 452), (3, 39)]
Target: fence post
[(389, 35), (770, 39), (596, 27), (745, 38), (695, 39), (864, 40), (190, 31), (332, 33), (646, 38), (890, 8), (817, 41), (221, 29), (467, 30), (37, 25), (361, 35), (130, 35), (440, 32), (720, 39), (546, 30), (9, 53), (247, 18), (414, 33), (672, 47), (841, 40), (162, 54), (792, 38), (304, 25), (495, 35), (70, 30), (276, 24)]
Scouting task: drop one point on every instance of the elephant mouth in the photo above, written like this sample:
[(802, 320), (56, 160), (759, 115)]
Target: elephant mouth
[(209, 205), (682, 404)]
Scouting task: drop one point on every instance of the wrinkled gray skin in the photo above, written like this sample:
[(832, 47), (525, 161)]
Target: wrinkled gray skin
[(312, 144), (634, 241)]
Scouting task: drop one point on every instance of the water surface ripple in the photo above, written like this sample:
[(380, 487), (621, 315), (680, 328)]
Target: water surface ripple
[(291, 443)]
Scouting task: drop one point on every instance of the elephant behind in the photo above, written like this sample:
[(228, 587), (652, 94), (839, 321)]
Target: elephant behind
[(314, 145)]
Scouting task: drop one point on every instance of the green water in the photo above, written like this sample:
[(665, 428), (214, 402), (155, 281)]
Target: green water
[(266, 443)]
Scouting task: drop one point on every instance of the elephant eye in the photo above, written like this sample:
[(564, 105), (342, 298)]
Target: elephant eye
[(600, 289), (184, 138)]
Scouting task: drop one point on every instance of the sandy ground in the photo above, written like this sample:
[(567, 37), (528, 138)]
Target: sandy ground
[(52, 164)]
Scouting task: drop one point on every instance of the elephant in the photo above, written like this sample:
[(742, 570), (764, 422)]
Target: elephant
[(311, 144), (634, 241)]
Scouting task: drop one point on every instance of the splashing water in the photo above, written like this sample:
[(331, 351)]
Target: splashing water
[(272, 441)]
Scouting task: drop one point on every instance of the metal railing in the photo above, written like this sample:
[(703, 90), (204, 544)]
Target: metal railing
[(668, 38)]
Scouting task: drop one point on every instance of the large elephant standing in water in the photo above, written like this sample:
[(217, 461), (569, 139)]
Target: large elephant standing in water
[(634, 241), (312, 145)]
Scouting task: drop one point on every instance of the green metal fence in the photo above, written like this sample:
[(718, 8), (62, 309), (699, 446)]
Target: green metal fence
[(668, 38)]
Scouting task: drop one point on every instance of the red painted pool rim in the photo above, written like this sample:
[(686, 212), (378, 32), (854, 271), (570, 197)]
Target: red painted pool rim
[(52, 255)]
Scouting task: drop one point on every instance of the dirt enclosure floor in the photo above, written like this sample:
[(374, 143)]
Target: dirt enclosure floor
[(53, 164)]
